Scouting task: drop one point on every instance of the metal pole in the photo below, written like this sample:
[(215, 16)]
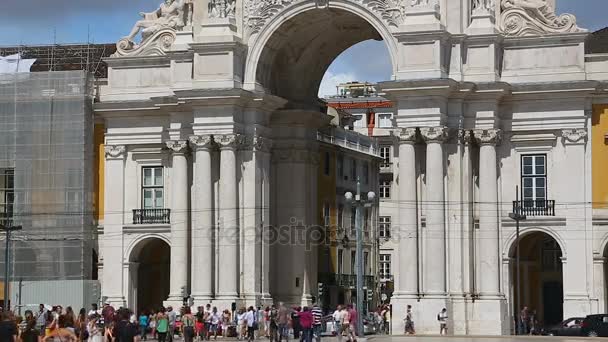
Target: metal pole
[(359, 254), (7, 254)]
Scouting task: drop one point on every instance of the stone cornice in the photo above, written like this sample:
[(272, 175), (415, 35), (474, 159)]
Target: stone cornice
[(487, 136), (434, 134), (202, 142), (575, 135), (115, 151), (177, 146), (229, 141)]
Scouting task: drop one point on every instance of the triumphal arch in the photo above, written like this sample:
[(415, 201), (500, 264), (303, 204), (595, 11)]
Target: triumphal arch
[(211, 109)]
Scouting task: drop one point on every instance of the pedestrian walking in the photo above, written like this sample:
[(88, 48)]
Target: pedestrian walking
[(317, 314), (172, 318), (409, 321), (30, 333), (352, 317), (143, 325), (124, 329), (188, 322), (61, 332), (336, 317), (95, 328), (524, 321), (250, 321), (344, 324), (273, 324), (162, 325), (41, 319), (283, 318), (442, 317), (226, 322), (215, 320), (81, 325), (306, 322)]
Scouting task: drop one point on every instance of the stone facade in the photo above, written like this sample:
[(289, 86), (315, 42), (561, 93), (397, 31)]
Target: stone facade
[(477, 86)]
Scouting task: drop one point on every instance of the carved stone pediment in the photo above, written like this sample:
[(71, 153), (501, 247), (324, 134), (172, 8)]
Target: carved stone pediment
[(157, 45), (534, 17)]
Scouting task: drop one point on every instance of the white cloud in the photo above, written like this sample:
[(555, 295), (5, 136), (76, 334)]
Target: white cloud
[(331, 80)]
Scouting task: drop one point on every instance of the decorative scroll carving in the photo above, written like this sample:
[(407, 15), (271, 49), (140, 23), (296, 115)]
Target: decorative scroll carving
[(574, 135), (157, 30), (177, 146), (483, 6), (202, 142), (408, 135), (229, 141), (534, 17), (222, 8), (262, 144), (258, 12), (115, 151), (434, 134), (488, 136)]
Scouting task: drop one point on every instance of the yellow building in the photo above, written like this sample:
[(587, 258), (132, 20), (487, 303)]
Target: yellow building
[(599, 145)]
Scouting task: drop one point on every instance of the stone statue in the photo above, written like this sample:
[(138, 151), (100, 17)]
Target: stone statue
[(483, 5), (534, 17), (222, 8), (420, 3), (170, 15)]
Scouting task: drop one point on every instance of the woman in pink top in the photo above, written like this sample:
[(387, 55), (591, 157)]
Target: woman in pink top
[(306, 324)]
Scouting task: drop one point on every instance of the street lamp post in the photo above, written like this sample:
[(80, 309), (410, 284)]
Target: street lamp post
[(360, 203), (517, 216), (7, 230)]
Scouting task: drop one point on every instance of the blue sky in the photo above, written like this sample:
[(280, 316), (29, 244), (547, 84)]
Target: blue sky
[(103, 21)]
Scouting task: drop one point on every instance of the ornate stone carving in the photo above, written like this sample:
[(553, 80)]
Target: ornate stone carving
[(417, 3), (222, 8), (202, 142), (177, 146), (574, 135), (534, 17), (487, 136), (229, 141), (434, 134), (408, 135), (465, 136), (157, 30), (115, 151), (262, 144), (482, 6), (258, 12)]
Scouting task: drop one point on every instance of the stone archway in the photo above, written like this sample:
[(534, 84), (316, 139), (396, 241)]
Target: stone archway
[(149, 270), (541, 277)]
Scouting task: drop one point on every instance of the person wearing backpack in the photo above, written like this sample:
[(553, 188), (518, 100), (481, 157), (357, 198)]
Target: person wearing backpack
[(188, 325)]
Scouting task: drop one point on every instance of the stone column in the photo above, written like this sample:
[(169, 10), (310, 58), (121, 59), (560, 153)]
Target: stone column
[(228, 235), (111, 241), (407, 281), (488, 238), (434, 270), (203, 224), (180, 196)]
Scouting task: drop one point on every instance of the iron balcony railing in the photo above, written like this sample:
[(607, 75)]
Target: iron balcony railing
[(534, 207), (386, 168), (151, 216)]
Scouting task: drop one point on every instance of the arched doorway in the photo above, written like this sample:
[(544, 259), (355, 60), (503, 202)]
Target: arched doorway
[(150, 273), (540, 286)]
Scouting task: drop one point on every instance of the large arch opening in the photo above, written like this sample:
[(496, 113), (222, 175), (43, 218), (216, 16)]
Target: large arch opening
[(540, 287), (297, 55), (150, 278)]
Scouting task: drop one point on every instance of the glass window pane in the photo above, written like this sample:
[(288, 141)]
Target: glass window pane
[(158, 176), (527, 160), (148, 204), (540, 170), (147, 176), (528, 193), (540, 182), (540, 193), (528, 182), (158, 201), (527, 170), (540, 160)]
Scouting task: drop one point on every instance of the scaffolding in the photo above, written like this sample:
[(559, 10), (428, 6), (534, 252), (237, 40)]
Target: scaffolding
[(65, 57), (47, 185)]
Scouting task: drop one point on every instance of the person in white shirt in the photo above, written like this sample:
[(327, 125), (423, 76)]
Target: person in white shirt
[(250, 318), (336, 317), (442, 317)]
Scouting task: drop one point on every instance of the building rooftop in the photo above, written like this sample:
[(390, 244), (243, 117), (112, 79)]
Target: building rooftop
[(597, 42)]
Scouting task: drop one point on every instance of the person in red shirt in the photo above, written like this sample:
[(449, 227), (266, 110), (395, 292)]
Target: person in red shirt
[(306, 321)]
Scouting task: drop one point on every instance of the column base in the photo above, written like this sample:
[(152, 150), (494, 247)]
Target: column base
[(174, 302), (225, 301), (488, 315), (577, 305), (201, 299)]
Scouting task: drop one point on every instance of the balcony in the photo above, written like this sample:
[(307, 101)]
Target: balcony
[(534, 207), (151, 216), (349, 140), (346, 280), (386, 168)]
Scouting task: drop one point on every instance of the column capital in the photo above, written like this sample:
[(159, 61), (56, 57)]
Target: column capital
[(574, 136), (465, 136), (115, 152), (177, 146), (407, 135), (262, 144), (229, 141), (487, 136), (434, 134), (202, 142)]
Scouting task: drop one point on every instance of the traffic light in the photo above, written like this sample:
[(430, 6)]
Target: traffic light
[(370, 295), (320, 289)]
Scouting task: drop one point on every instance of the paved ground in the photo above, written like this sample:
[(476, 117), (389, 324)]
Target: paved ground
[(385, 338)]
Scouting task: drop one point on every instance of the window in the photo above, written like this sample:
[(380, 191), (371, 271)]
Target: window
[(385, 227), (365, 171), (152, 188), (365, 262), (353, 262), (340, 261), (340, 166), (326, 215), (385, 120), (353, 221), (326, 166), (385, 189), (360, 121), (7, 195), (366, 223), (534, 180), (385, 154), (341, 216), (354, 170), (551, 256), (385, 267)]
